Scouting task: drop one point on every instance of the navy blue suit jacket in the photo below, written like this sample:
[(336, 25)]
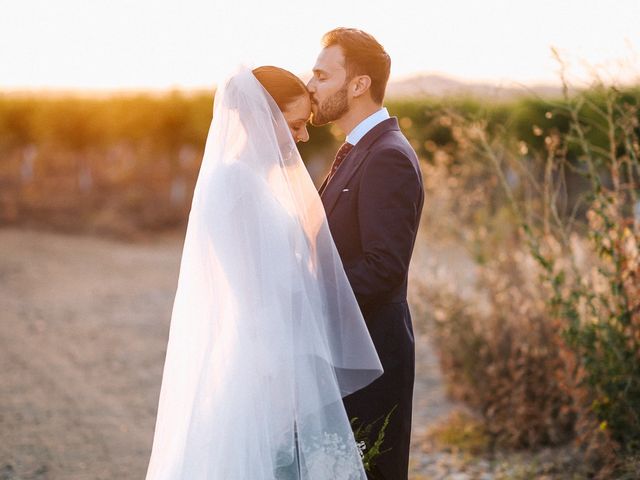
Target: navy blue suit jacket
[(373, 205)]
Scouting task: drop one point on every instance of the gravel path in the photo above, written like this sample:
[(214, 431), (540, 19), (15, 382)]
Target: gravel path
[(83, 327)]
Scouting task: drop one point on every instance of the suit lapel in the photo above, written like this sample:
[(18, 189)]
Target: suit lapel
[(330, 191), (323, 186), (333, 189)]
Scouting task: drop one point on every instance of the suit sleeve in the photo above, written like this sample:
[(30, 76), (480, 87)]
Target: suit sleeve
[(388, 208)]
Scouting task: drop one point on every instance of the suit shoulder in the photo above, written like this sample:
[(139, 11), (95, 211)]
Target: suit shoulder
[(395, 160), (393, 141)]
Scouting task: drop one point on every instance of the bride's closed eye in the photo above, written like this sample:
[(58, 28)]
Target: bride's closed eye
[(299, 131), (297, 114), (298, 126)]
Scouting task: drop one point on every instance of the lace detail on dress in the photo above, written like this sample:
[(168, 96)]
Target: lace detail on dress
[(331, 457)]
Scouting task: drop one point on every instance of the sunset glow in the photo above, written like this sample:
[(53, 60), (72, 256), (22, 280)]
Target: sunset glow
[(163, 44)]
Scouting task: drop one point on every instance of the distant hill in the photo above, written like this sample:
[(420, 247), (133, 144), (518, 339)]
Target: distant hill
[(442, 86), (421, 85)]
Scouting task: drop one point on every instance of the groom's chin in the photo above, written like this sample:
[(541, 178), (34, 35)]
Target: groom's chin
[(317, 121)]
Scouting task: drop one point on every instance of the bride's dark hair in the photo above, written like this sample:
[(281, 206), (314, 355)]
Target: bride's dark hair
[(283, 86)]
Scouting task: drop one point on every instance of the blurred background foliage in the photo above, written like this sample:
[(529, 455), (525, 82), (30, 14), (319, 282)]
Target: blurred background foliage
[(126, 164), (541, 333)]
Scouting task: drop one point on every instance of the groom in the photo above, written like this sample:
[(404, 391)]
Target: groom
[(373, 198)]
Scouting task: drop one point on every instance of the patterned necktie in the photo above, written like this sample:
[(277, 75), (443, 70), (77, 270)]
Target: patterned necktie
[(340, 156)]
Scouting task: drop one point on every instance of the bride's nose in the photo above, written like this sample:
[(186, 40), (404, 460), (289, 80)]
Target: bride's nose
[(304, 135)]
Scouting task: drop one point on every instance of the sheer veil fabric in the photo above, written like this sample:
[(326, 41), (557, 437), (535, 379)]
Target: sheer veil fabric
[(266, 335)]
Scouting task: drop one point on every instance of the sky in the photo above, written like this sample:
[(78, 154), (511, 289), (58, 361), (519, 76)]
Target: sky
[(160, 44)]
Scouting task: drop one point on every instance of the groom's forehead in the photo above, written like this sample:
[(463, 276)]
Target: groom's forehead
[(330, 59)]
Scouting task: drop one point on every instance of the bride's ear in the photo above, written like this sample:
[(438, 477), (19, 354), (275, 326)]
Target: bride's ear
[(360, 85)]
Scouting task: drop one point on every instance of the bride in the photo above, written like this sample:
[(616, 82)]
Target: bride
[(266, 336)]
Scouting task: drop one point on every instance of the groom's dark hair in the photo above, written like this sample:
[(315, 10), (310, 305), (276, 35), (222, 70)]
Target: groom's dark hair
[(363, 55)]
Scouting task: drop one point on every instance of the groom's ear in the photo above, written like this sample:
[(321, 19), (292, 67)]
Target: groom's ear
[(360, 85)]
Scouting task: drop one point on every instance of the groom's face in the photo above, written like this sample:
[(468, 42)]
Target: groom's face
[(328, 87)]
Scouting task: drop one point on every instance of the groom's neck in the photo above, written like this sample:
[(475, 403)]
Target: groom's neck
[(356, 114)]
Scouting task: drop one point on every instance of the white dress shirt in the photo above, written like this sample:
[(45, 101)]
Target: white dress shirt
[(367, 124)]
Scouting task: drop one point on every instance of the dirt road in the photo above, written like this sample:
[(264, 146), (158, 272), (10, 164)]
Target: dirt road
[(83, 328)]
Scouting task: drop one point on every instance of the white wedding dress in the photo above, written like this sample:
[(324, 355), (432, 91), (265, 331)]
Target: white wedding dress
[(266, 336)]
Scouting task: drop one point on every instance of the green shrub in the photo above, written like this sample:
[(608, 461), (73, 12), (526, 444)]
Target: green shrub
[(588, 253)]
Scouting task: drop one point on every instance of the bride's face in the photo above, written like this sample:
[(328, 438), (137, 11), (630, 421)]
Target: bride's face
[(297, 115)]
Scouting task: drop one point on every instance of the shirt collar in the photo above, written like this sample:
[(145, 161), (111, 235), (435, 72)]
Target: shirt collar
[(367, 124)]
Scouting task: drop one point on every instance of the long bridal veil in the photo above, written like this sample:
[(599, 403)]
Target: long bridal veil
[(266, 336)]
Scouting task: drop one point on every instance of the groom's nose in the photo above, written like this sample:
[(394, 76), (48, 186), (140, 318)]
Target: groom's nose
[(311, 86)]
